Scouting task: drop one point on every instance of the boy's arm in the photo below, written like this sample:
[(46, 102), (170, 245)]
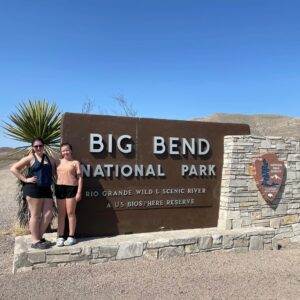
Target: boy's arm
[(80, 181)]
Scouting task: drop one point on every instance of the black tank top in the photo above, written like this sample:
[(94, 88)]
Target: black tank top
[(42, 171)]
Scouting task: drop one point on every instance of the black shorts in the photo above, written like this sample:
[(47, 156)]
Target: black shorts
[(34, 191), (65, 191)]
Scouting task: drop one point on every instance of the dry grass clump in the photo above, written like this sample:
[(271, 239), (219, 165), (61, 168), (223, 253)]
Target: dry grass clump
[(16, 230)]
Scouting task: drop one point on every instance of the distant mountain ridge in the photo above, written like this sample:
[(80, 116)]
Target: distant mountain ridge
[(5, 149), (261, 125), (8, 153)]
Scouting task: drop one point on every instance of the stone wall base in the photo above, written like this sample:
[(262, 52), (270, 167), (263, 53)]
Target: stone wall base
[(156, 245)]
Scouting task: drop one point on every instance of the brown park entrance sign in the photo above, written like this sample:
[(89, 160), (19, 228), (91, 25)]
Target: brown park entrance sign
[(143, 175)]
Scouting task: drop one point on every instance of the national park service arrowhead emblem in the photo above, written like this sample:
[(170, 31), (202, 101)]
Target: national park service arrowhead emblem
[(268, 173)]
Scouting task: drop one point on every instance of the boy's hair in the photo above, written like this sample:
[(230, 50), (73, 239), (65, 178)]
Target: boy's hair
[(66, 144)]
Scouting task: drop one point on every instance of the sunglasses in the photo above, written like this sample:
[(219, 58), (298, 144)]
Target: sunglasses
[(38, 146)]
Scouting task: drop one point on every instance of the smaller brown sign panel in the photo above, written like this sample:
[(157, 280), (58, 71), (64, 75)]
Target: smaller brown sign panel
[(268, 174)]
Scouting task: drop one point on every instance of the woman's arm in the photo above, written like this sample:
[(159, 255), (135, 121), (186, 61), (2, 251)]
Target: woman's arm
[(17, 167)]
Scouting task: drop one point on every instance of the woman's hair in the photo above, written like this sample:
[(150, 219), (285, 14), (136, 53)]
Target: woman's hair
[(38, 140), (66, 144)]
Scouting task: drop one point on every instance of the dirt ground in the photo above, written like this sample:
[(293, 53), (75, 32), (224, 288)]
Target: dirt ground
[(218, 275)]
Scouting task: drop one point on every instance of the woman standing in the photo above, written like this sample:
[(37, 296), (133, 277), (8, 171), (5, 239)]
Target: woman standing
[(37, 190), (68, 192)]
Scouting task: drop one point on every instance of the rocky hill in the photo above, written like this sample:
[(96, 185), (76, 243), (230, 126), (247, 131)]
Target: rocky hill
[(8, 156), (262, 125)]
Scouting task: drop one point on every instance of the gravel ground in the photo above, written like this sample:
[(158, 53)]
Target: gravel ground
[(219, 275), (7, 197)]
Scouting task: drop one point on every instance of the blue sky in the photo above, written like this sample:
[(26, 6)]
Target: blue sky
[(169, 59)]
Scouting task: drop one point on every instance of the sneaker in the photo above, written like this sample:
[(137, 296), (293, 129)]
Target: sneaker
[(40, 245), (70, 241), (60, 242)]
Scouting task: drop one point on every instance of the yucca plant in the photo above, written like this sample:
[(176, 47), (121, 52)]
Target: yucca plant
[(34, 119)]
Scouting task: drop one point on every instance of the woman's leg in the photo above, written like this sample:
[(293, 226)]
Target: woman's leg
[(46, 215), (35, 207), (61, 206), (71, 206)]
